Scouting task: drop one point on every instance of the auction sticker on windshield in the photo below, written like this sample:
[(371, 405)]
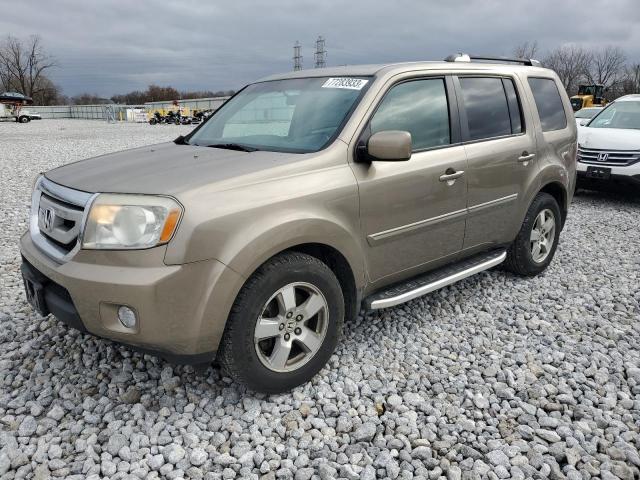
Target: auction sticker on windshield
[(343, 82)]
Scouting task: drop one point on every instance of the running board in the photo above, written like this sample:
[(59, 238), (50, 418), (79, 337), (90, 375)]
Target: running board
[(417, 286)]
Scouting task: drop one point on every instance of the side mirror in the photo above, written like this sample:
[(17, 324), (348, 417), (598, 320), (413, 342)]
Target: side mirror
[(584, 121), (389, 145)]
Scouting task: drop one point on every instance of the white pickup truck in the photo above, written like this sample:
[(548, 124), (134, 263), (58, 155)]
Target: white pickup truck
[(8, 112), (11, 107)]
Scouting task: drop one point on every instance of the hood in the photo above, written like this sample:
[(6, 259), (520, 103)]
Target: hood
[(165, 168), (609, 138)]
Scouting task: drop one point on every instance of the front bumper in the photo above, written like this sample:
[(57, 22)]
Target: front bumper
[(629, 175), (181, 309)]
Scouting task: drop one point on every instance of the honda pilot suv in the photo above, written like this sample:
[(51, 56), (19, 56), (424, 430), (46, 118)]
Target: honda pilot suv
[(304, 197)]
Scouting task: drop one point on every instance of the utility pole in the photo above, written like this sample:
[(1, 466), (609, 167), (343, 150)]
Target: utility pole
[(297, 57), (321, 54)]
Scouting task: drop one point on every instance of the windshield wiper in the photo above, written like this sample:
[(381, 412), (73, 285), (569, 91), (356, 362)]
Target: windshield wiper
[(234, 146)]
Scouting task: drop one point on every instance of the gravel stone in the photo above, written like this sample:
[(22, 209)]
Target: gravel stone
[(498, 457), (493, 377), (173, 453), (548, 435), (27, 427), (365, 433), (116, 442), (156, 461), (198, 457), (56, 413)]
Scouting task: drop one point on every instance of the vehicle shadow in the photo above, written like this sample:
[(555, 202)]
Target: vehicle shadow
[(616, 193)]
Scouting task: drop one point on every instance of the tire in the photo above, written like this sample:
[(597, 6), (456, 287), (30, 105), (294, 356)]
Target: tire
[(24, 119), (521, 255), (256, 363)]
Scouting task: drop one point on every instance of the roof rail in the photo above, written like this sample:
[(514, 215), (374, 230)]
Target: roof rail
[(463, 57)]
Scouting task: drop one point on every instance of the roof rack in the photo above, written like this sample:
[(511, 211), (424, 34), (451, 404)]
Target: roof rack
[(463, 57)]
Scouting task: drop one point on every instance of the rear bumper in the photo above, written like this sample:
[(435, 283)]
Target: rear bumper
[(181, 309)]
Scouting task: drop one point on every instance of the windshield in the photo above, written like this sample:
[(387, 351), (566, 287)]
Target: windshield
[(618, 115), (293, 115), (587, 112)]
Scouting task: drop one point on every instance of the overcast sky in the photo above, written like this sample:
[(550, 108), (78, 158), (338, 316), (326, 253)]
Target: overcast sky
[(114, 46)]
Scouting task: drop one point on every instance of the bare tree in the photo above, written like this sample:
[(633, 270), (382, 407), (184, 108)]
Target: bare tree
[(526, 50), (47, 93), (633, 74), (606, 66), (23, 65), (572, 63), (629, 83)]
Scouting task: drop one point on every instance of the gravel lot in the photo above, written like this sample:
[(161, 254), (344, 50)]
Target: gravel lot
[(495, 377)]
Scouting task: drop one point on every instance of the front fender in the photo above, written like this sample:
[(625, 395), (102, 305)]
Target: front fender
[(246, 256)]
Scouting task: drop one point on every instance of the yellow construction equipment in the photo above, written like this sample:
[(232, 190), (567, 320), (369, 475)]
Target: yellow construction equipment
[(589, 96)]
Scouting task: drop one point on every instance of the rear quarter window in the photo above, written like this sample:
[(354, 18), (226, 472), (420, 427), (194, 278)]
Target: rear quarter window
[(549, 103)]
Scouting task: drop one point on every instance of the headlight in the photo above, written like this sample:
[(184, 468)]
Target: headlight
[(120, 222)]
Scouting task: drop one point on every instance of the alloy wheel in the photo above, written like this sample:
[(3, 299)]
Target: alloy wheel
[(543, 235), (291, 327)]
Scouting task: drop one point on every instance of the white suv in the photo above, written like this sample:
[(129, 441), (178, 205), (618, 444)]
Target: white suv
[(609, 145)]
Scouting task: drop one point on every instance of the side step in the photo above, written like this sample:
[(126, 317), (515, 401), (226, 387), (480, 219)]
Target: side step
[(417, 286)]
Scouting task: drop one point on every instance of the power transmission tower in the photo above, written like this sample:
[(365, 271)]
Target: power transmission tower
[(297, 57), (321, 54)]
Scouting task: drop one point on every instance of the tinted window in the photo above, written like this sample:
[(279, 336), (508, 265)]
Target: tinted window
[(486, 106), (549, 104), (418, 107), (514, 106)]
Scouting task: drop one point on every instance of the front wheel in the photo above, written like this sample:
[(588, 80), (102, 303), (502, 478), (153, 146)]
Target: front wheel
[(24, 119), (534, 247), (284, 324)]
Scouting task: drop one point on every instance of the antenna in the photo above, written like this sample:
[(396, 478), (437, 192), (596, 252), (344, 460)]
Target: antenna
[(297, 57), (321, 54)]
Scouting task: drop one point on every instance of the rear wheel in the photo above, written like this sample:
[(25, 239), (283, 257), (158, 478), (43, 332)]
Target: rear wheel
[(24, 119), (284, 324), (536, 243)]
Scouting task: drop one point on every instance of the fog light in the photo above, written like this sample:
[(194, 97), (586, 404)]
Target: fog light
[(127, 316)]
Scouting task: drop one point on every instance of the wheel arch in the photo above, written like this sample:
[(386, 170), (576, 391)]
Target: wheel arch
[(341, 268), (558, 191)]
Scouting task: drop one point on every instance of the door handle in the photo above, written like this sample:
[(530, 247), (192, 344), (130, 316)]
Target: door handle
[(450, 177), (525, 157)]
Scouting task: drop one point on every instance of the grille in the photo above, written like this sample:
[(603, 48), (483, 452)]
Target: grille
[(617, 158), (57, 218)]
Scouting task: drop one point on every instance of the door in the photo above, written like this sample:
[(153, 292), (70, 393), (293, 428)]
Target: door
[(500, 145), (411, 213)]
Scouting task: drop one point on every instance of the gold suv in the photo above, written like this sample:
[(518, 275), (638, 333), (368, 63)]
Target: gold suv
[(305, 196)]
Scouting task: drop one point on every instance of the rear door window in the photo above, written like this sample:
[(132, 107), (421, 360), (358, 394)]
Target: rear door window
[(486, 106), (549, 104)]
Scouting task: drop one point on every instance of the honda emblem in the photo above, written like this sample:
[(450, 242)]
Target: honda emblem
[(603, 157), (48, 219)]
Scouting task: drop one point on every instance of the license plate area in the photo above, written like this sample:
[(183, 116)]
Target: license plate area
[(600, 173)]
